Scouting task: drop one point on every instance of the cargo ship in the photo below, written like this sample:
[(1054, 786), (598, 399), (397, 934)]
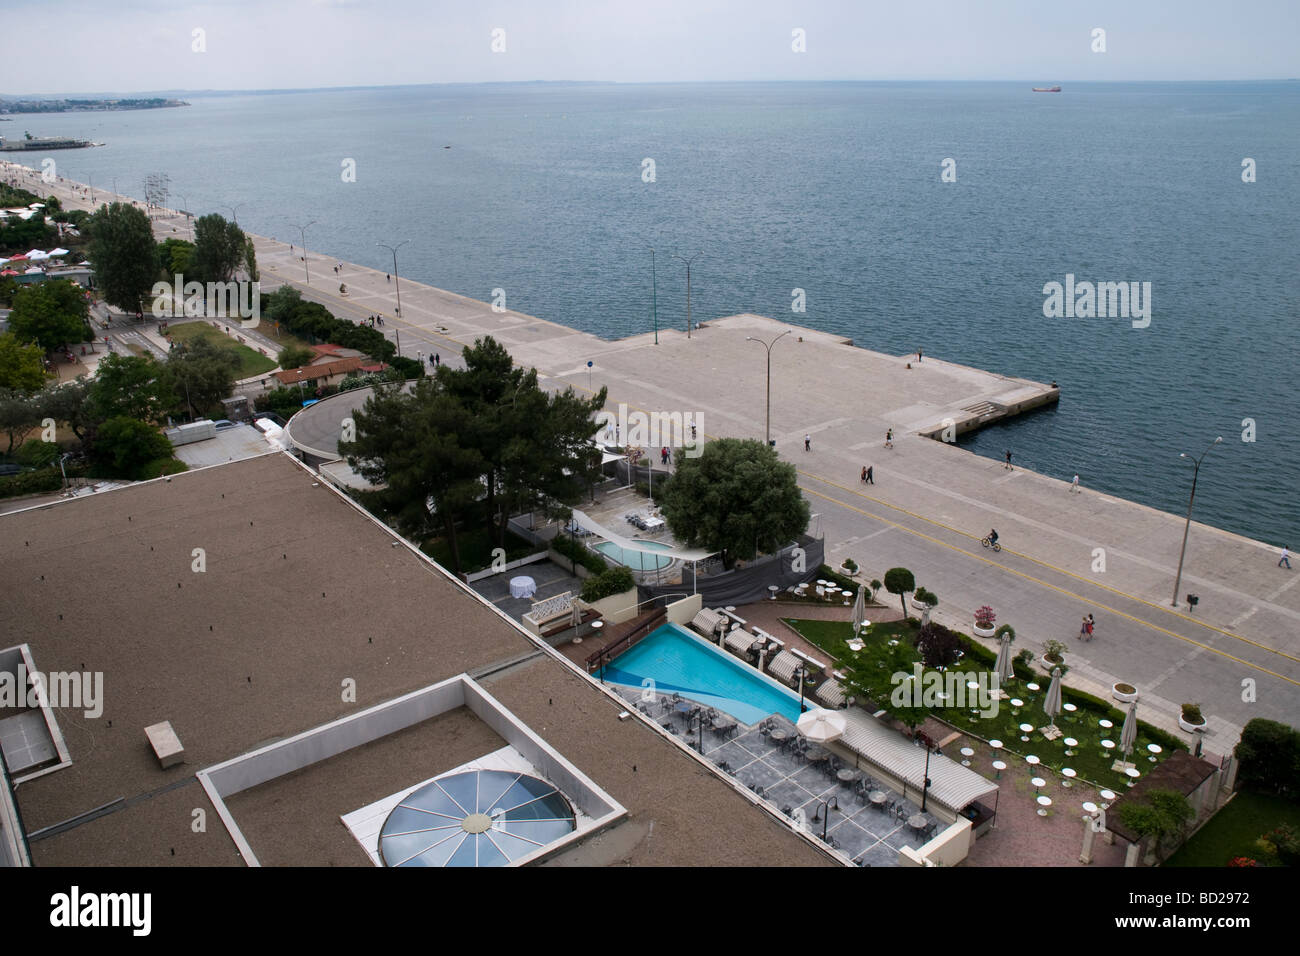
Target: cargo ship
[(1047, 89), (42, 142)]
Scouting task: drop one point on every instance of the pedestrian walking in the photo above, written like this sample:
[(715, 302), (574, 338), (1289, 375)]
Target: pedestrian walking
[(1074, 485), (1008, 464), (388, 277), (870, 475), (437, 359), (663, 455), (918, 356), (864, 474), (889, 438), (1091, 625), (1083, 629), (692, 431), (807, 442), (1285, 559)]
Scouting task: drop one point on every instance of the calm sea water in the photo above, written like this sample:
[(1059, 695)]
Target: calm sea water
[(834, 189)]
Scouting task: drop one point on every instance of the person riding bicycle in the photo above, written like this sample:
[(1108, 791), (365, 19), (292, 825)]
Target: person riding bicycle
[(993, 537)]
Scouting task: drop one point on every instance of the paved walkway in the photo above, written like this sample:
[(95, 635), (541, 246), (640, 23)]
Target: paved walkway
[(1064, 555)]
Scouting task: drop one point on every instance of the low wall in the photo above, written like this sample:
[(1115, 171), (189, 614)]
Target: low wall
[(616, 608), (683, 612), (488, 572), (948, 848)]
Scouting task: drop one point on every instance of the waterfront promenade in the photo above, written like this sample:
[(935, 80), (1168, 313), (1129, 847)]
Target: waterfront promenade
[(1237, 654)]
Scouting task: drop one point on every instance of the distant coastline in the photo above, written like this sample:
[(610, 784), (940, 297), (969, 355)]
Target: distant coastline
[(86, 106)]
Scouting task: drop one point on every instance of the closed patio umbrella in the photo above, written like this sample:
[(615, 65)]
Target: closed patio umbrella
[(576, 619), (1129, 735), (821, 726), (1003, 666), (859, 612), (1052, 705)]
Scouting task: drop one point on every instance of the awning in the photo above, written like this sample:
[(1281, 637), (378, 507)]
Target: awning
[(951, 784), (634, 544)]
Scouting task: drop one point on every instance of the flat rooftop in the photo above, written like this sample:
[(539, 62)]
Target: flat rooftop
[(301, 596)]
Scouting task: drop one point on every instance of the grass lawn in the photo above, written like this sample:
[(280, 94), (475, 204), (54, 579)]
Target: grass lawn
[(874, 666), (251, 362), (1234, 830), (475, 546), (281, 336)]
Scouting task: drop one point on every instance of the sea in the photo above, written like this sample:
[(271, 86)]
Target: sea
[(903, 215)]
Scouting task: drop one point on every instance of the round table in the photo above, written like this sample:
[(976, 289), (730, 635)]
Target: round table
[(773, 588), (1069, 707), (1133, 774), (1155, 749), (1044, 802), (1106, 724), (995, 744), (1107, 795), (1070, 744), (1033, 687), (1089, 806), (999, 766), (1069, 774), (917, 821), (779, 735), (1108, 744), (878, 797), (1016, 704), (1038, 783), (847, 775), (967, 753), (522, 587), (818, 756), (1032, 760), (1026, 730)]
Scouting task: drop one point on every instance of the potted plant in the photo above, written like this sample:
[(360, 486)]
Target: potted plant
[(984, 618), (1053, 654), (1190, 719), (923, 600), (1126, 693), (849, 567)]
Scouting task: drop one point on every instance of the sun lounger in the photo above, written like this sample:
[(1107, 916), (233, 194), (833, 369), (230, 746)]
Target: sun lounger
[(706, 622), (831, 694), (739, 641), (783, 665)]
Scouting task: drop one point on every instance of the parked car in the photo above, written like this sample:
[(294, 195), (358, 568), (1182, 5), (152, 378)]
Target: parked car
[(224, 423)]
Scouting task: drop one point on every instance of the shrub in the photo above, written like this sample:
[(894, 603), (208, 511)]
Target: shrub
[(1269, 752), (1192, 713), (900, 581), (1006, 630), (607, 582), (38, 454), (938, 645), (31, 483), (875, 586), (1054, 651), (926, 597), (850, 564), (577, 553), (162, 466), (984, 616)]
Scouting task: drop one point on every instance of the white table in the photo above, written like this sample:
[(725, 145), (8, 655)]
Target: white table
[(1038, 783), (967, 753), (1069, 774), (522, 587), (1070, 744), (1044, 802), (1108, 795), (1106, 724), (1155, 749), (999, 766), (1133, 774), (1032, 760), (995, 744), (653, 524)]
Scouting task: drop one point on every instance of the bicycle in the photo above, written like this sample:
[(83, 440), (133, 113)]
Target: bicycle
[(989, 543)]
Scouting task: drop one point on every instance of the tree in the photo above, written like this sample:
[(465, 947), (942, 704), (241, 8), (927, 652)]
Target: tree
[(18, 415), (250, 259), (938, 645), (51, 314), (68, 403), (124, 255), (218, 249), (899, 581), (174, 258), (409, 445), (125, 446), (737, 497), (22, 367), (295, 357), (130, 386), (1161, 815), (202, 374), (1269, 756)]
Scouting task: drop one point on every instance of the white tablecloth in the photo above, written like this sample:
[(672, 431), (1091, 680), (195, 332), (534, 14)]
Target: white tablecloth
[(654, 524), (521, 587)]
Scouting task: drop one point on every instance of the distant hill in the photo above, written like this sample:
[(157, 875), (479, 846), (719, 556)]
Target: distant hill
[(63, 105)]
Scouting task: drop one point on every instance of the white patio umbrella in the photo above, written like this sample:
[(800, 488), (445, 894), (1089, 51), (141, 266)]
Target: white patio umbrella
[(1003, 666), (37, 254), (821, 726), (58, 252), (859, 612), (1052, 705), (1129, 735)]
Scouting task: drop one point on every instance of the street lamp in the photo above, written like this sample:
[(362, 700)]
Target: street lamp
[(767, 435), (799, 673), (925, 787), (654, 293), (234, 211), (302, 234), (1196, 468), (828, 805), (688, 287), (396, 280)]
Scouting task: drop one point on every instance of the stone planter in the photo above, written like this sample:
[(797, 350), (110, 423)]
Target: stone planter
[(921, 605), (847, 573), (1190, 727), (1050, 666), (984, 631), (1124, 696)]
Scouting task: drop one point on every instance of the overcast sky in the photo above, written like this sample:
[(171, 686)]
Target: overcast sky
[(138, 45)]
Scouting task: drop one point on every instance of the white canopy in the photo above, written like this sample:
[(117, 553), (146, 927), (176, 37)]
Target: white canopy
[(631, 544), (37, 254), (59, 252)]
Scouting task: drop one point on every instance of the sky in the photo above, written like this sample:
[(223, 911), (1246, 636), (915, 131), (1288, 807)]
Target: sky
[(145, 45)]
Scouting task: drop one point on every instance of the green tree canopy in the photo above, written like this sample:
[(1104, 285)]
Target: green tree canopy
[(294, 357), (219, 248), (22, 367), (51, 314), (737, 497), (18, 414), (900, 581), (174, 258), (68, 403), (202, 374), (125, 446), (1160, 814), (123, 253), (132, 386)]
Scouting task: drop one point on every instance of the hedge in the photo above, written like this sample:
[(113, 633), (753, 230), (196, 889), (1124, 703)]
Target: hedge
[(1269, 752), (31, 483), (607, 582), (576, 552)]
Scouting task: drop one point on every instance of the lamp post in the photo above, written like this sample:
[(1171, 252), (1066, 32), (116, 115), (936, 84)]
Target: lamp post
[(767, 433), (654, 293), (828, 805), (234, 211), (799, 671), (925, 787), (396, 280), (302, 234), (1196, 468), (688, 287)]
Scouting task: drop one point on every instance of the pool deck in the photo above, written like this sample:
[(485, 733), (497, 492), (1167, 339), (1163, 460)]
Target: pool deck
[(931, 502)]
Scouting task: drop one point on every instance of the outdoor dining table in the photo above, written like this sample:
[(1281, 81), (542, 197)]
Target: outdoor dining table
[(1106, 724), (966, 753), (918, 821), (878, 797), (847, 775), (522, 586), (1155, 749), (1108, 795), (779, 736), (999, 766), (1070, 743), (1044, 802), (1069, 773), (818, 755)]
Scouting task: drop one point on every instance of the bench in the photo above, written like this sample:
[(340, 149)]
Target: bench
[(547, 612), (166, 745)]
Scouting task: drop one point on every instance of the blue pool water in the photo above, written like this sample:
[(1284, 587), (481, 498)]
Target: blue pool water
[(678, 662), (636, 560)]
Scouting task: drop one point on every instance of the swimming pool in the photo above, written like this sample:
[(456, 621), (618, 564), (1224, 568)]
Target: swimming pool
[(636, 560), (679, 662)]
